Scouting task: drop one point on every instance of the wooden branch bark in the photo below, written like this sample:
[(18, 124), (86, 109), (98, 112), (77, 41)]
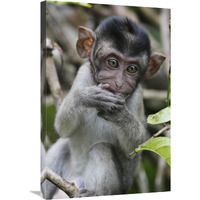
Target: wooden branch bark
[(58, 30), (69, 188), (154, 94), (52, 77)]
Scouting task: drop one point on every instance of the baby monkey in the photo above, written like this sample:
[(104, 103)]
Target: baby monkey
[(101, 120)]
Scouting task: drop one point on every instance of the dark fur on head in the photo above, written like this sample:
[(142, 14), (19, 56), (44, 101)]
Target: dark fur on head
[(125, 35)]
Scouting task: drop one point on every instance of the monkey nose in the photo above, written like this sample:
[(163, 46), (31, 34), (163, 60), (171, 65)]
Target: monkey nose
[(118, 85)]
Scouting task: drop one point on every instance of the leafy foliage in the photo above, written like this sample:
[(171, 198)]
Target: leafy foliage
[(159, 145), (48, 116), (162, 116)]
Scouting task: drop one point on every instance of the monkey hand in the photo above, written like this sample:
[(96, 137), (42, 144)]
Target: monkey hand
[(118, 117), (100, 98)]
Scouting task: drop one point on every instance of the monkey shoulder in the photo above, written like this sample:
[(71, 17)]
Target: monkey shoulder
[(84, 76)]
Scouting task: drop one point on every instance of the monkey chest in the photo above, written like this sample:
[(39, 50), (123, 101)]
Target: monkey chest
[(94, 129)]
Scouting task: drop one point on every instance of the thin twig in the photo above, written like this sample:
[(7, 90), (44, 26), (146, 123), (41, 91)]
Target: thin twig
[(167, 127), (169, 88), (69, 188)]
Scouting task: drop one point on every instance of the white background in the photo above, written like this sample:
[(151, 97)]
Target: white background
[(20, 99)]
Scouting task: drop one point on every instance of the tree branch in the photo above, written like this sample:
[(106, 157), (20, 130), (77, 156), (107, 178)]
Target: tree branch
[(69, 188), (52, 76), (154, 94)]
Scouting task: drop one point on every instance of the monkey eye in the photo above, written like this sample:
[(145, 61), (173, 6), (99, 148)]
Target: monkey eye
[(132, 69), (113, 63)]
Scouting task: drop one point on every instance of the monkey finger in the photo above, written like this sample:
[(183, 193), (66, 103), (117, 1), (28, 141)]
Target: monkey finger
[(119, 94), (104, 86), (117, 100), (120, 102), (117, 108), (118, 97), (106, 99), (111, 107)]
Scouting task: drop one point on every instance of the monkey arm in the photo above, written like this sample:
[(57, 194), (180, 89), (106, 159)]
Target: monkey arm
[(70, 112), (67, 119), (133, 122), (132, 129), (84, 94), (130, 120)]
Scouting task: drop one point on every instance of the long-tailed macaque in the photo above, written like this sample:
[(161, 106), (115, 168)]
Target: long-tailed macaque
[(101, 120)]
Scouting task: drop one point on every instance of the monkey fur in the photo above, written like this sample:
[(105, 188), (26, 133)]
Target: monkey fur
[(101, 120)]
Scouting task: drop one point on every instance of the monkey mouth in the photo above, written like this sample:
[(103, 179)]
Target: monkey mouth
[(118, 92), (114, 91)]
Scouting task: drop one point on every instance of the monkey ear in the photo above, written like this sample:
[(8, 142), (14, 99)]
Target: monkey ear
[(156, 60), (86, 38)]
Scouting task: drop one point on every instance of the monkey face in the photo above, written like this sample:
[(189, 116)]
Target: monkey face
[(120, 54), (120, 72)]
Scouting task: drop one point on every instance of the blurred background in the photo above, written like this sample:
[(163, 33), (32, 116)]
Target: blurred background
[(60, 63)]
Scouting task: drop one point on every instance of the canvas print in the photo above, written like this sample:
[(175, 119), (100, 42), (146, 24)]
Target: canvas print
[(105, 100)]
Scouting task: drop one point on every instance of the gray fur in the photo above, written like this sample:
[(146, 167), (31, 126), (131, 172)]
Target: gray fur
[(99, 138)]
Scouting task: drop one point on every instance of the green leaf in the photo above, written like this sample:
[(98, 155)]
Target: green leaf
[(159, 145), (160, 117)]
